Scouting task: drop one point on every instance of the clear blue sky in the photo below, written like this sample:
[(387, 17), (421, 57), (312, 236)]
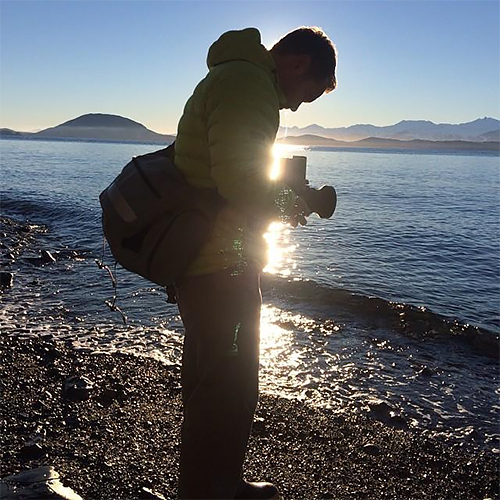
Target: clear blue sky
[(432, 60)]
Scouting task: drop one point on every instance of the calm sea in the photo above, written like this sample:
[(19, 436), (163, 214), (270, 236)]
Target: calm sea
[(396, 298)]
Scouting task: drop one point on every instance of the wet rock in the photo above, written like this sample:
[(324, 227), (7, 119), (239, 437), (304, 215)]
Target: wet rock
[(77, 388), (379, 408), (6, 279), (32, 451), (383, 412), (34, 484), (47, 257)]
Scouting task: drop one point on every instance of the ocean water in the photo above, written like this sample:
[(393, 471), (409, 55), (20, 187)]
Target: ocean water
[(396, 298)]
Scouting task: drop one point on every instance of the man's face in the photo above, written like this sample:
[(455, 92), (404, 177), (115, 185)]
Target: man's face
[(307, 90), (296, 82)]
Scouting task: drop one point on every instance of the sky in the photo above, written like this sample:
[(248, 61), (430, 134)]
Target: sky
[(398, 60)]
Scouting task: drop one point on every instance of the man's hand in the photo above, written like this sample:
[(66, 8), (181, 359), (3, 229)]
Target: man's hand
[(298, 213)]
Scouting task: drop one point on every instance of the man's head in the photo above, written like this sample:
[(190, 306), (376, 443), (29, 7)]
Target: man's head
[(306, 60)]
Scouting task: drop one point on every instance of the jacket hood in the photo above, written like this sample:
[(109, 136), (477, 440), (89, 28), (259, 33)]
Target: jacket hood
[(244, 45)]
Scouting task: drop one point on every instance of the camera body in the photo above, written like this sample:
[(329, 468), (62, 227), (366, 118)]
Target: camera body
[(322, 201), (294, 171)]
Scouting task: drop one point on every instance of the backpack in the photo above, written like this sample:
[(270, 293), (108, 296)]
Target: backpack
[(154, 221)]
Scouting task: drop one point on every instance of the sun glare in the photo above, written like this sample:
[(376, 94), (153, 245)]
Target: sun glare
[(280, 256), (282, 151)]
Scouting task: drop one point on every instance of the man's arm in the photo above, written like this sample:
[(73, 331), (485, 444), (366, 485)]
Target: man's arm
[(242, 121)]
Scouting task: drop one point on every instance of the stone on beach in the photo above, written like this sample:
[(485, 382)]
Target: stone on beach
[(77, 388), (385, 413), (42, 482)]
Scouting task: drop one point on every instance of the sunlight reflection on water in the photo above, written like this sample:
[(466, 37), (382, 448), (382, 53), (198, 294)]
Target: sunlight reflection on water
[(280, 250)]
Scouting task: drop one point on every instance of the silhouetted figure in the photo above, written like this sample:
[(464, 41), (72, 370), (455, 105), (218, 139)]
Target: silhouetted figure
[(224, 141)]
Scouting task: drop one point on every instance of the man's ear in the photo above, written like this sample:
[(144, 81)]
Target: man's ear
[(301, 63)]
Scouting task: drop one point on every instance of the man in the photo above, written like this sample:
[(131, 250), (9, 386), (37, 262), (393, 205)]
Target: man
[(224, 141)]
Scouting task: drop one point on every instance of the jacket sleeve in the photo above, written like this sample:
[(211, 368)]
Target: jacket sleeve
[(242, 121)]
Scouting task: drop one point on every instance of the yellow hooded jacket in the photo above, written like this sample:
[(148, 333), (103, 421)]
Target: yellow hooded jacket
[(225, 139)]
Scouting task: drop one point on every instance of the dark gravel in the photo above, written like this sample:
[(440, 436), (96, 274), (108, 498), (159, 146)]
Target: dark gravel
[(114, 429)]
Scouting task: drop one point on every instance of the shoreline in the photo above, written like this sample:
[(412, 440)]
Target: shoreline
[(119, 433)]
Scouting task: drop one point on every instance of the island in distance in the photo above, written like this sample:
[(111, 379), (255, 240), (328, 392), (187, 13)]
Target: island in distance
[(98, 127), (481, 135)]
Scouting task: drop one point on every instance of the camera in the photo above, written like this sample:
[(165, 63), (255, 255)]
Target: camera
[(322, 201)]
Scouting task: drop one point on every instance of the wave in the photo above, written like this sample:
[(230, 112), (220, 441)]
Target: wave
[(39, 207), (72, 224), (416, 322)]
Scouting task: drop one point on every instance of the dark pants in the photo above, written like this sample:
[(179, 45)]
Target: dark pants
[(221, 316)]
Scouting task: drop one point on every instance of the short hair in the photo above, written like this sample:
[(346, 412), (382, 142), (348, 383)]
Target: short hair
[(312, 41)]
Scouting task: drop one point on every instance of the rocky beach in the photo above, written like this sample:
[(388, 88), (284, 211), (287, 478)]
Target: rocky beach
[(109, 425)]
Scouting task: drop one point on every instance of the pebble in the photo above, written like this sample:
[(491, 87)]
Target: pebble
[(77, 388), (6, 279)]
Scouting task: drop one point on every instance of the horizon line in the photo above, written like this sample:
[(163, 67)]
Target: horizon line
[(34, 131)]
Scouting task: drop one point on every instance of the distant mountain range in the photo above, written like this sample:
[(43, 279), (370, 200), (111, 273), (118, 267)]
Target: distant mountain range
[(317, 142), (481, 134), (482, 129)]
